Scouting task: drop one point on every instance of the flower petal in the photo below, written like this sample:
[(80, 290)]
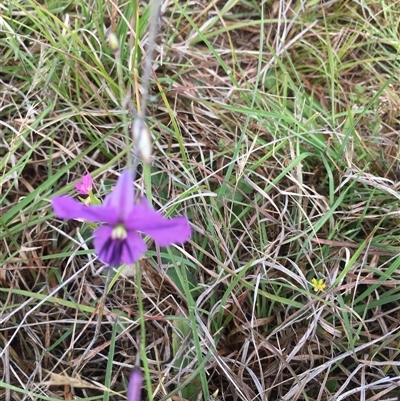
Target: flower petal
[(115, 252), (133, 249), (105, 246), (87, 181), (123, 196), (80, 188), (68, 208), (164, 231)]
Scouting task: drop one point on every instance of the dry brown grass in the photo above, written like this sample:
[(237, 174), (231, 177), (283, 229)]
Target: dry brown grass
[(300, 138)]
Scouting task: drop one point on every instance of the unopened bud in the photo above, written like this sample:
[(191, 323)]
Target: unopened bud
[(142, 137), (135, 385), (113, 41)]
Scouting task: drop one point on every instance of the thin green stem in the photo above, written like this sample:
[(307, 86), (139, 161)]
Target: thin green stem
[(143, 333)]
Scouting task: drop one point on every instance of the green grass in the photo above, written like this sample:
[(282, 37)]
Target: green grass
[(275, 130)]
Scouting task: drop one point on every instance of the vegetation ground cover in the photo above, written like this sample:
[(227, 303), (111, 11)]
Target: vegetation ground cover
[(275, 129)]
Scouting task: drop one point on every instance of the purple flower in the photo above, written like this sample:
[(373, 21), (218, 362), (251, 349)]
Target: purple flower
[(117, 241), (85, 186), (135, 385)]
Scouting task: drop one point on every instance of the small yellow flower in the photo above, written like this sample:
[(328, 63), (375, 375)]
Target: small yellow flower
[(319, 285)]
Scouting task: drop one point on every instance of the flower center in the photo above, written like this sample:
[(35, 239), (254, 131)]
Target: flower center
[(119, 232)]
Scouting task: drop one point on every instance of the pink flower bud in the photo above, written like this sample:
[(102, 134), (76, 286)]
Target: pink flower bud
[(135, 385)]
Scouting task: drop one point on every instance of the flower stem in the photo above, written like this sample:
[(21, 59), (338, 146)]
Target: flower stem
[(143, 333)]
